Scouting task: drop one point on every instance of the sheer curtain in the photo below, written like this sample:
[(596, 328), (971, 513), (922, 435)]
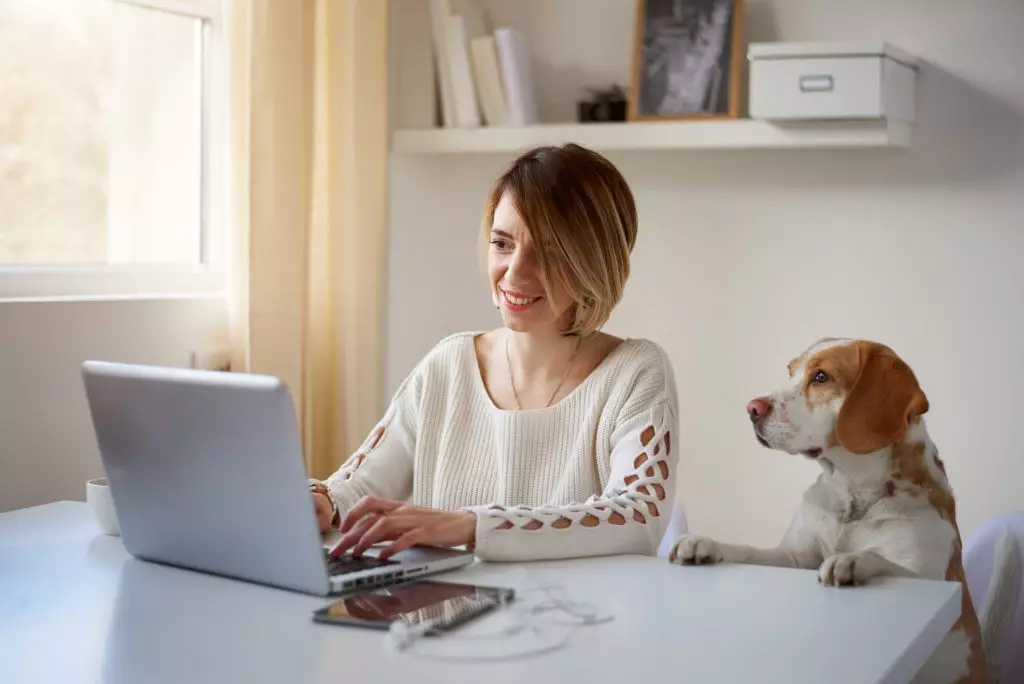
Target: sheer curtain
[(308, 136)]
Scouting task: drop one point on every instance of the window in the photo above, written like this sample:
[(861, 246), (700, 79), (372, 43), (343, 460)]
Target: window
[(110, 161)]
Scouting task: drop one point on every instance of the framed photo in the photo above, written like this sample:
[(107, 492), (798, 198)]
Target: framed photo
[(687, 56)]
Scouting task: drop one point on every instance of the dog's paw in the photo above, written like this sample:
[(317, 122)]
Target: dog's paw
[(841, 570), (691, 549)]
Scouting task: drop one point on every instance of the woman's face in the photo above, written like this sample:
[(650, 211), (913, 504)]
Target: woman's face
[(515, 277)]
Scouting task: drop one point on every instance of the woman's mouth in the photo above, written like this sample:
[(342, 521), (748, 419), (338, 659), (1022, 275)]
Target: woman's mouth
[(517, 302)]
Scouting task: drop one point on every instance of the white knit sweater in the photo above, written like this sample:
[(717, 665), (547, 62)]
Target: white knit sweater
[(593, 474)]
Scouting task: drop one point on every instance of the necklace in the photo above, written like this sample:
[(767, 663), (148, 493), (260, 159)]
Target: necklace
[(508, 362)]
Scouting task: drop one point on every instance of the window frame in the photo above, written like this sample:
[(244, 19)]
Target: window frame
[(20, 282)]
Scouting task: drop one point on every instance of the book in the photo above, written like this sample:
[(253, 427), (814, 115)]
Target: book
[(440, 10), (467, 110), (517, 75), (416, 84), (490, 87)]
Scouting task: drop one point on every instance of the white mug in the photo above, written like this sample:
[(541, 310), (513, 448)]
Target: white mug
[(97, 496)]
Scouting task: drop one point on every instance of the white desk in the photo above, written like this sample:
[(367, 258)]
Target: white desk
[(74, 607)]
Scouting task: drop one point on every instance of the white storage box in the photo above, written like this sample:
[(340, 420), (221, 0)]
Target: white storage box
[(808, 81)]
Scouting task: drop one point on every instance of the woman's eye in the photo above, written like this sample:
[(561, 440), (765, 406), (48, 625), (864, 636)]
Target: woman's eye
[(499, 243), (820, 378)]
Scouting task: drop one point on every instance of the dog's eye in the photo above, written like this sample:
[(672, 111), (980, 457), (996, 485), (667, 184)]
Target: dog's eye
[(820, 378)]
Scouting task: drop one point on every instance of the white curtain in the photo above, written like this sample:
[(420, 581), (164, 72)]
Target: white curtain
[(308, 130)]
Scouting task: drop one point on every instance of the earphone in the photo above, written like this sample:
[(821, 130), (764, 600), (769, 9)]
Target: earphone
[(529, 629)]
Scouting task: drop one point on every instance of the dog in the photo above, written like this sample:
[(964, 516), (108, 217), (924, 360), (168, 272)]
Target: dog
[(883, 506)]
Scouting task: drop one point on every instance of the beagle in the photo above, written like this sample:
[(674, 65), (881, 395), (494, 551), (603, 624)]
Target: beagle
[(883, 506)]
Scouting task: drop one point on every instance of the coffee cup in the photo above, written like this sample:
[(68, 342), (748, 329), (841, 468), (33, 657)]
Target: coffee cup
[(101, 503)]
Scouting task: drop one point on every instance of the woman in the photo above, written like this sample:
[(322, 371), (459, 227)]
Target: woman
[(545, 438)]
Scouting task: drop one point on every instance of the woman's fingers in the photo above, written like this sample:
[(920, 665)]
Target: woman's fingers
[(365, 506), (384, 528), (354, 535), (382, 520), (404, 541)]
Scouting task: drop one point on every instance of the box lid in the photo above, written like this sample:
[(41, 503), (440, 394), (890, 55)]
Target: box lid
[(781, 50)]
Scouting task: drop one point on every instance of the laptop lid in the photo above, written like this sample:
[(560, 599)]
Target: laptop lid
[(206, 472)]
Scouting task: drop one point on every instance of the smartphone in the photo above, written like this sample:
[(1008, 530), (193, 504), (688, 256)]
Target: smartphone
[(444, 605)]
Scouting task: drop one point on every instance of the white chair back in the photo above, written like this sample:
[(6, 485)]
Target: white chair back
[(979, 563)]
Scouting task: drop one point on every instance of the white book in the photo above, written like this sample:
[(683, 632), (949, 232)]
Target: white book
[(490, 87), (417, 97), (467, 112), (440, 10), (474, 16), (514, 57)]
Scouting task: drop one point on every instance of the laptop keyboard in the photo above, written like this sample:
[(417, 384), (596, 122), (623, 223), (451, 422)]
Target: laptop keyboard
[(347, 563)]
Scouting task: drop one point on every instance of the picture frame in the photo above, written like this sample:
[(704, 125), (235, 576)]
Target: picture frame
[(687, 60)]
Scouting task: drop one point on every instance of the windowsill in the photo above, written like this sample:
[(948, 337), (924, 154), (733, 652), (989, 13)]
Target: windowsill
[(105, 283)]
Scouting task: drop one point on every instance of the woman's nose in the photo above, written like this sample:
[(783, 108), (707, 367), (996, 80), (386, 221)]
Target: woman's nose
[(520, 267)]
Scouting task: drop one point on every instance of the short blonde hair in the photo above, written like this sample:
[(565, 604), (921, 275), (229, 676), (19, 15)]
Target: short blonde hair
[(582, 218)]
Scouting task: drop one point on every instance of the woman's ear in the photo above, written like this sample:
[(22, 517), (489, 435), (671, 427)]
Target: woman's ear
[(884, 400)]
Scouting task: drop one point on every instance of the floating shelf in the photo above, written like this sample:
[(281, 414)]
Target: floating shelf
[(734, 134)]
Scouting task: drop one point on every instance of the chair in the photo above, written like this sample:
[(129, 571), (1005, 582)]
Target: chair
[(979, 555)]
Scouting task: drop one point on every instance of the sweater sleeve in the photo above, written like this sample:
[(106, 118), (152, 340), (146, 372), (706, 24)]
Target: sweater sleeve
[(628, 517), (383, 465)]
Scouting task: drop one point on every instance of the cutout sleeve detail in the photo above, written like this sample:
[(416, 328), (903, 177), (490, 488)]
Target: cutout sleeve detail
[(629, 516), (383, 464)]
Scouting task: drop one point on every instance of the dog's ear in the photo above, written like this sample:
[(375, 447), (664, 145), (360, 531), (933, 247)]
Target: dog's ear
[(884, 399)]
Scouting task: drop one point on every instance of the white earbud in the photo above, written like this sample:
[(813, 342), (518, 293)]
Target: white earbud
[(532, 627)]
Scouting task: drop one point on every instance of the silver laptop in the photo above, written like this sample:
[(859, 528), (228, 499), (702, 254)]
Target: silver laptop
[(206, 472)]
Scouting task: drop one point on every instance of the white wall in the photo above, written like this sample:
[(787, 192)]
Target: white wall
[(744, 258), (47, 446)]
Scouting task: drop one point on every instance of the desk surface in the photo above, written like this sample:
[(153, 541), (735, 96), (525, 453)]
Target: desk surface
[(75, 607)]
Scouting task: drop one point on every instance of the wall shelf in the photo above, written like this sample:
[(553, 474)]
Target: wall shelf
[(719, 134)]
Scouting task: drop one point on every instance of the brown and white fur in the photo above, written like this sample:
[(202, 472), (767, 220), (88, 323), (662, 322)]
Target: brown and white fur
[(883, 506)]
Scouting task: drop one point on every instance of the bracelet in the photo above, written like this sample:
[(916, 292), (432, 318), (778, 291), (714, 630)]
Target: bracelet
[(318, 487)]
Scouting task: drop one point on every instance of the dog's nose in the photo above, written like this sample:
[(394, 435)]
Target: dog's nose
[(758, 409)]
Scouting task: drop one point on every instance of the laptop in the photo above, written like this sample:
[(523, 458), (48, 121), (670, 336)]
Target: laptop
[(206, 472)]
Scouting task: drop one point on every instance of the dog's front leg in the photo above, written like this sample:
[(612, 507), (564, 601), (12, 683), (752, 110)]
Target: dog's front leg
[(919, 547), (799, 549), (849, 569), (692, 549)]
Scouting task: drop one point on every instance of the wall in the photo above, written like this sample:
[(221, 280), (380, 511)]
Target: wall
[(744, 258), (47, 446)]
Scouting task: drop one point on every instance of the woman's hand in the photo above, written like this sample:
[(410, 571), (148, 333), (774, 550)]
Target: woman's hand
[(324, 511), (375, 520)]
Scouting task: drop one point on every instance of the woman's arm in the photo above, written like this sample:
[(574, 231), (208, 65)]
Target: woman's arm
[(383, 465), (630, 516)]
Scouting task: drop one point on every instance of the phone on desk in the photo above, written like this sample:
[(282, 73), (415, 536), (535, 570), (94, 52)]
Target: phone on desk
[(444, 605)]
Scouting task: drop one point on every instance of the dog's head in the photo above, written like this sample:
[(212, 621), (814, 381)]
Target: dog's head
[(854, 394)]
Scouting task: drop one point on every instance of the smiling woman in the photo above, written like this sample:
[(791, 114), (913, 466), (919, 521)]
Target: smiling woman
[(545, 438)]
